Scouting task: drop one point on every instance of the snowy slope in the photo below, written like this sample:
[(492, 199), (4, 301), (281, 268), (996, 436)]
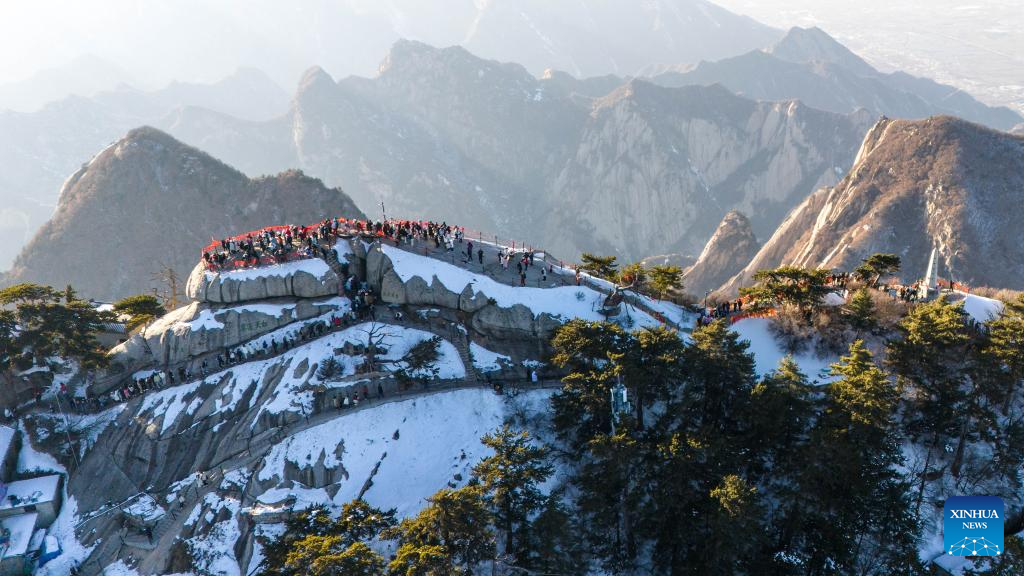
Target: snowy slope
[(561, 302), (293, 392), (438, 436), (767, 352)]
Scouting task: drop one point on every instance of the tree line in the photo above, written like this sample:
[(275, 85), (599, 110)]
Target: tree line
[(710, 469)]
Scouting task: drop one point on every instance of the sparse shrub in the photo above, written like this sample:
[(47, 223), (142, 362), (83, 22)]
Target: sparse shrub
[(888, 311), (825, 333), (1004, 294), (791, 329), (832, 336)]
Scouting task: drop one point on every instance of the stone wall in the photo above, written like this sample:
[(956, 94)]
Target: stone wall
[(514, 323), (198, 329)]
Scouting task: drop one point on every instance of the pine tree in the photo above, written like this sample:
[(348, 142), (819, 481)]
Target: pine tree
[(665, 278), (780, 414), (635, 275), (1004, 352), (600, 266), (450, 536), (700, 441), (652, 365), (140, 309), (52, 323), (329, 556), (855, 512), (718, 380), (877, 265), (511, 477), (801, 287), (932, 360), (313, 542), (329, 369), (860, 312), (10, 350), (554, 544), (609, 498), (587, 350)]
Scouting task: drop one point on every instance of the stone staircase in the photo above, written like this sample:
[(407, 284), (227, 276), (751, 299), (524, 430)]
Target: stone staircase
[(331, 258), (460, 340)]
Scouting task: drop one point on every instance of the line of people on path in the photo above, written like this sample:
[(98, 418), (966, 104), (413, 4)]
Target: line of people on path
[(723, 310)]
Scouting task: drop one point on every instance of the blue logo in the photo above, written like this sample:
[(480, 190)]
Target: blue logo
[(973, 526)]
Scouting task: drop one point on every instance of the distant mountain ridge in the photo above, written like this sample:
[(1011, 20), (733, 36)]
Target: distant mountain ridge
[(38, 150), (637, 170), (809, 65), (917, 184), (148, 201)]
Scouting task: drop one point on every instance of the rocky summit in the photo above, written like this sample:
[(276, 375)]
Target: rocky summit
[(730, 249), (940, 183), (146, 203), (225, 421)]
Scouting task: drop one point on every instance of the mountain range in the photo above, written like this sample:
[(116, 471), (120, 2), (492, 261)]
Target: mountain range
[(621, 166), (811, 66), (603, 164)]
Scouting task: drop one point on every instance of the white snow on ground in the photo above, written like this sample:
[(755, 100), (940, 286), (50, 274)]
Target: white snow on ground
[(73, 553), (980, 308), (485, 360), (438, 437), (315, 266), (6, 438), (304, 497), (292, 392), (207, 319), (145, 508), (31, 460), (88, 427), (204, 321), (267, 530), (767, 352), (168, 403), (183, 483), (561, 302), (119, 568), (214, 551), (833, 299)]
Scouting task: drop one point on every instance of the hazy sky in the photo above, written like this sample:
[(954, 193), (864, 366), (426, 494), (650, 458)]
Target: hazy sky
[(976, 45), (159, 40)]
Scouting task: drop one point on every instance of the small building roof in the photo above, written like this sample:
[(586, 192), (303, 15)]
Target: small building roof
[(31, 491), (6, 438), (20, 529)]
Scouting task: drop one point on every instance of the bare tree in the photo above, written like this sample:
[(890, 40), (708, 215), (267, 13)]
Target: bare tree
[(168, 287), (375, 336)]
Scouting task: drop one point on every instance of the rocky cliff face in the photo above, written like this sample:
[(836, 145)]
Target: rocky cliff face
[(628, 168), (938, 182), (656, 168), (731, 247), (149, 201)]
